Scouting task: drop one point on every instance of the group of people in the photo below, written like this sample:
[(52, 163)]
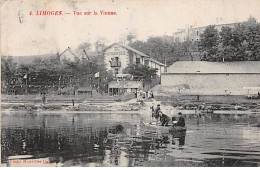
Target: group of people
[(142, 95), (164, 119)]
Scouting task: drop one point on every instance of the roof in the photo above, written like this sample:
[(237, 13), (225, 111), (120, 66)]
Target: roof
[(29, 59), (126, 84), (128, 48), (69, 50), (216, 25), (84, 89), (155, 61), (214, 67)]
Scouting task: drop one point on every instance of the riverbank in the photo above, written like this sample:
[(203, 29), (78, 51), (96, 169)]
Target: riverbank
[(218, 104), (215, 103)]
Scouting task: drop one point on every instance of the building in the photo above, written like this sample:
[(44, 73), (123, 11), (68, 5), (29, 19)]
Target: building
[(191, 33), (125, 86), (118, 56), (67, 54), (212, 78), (86, 91)]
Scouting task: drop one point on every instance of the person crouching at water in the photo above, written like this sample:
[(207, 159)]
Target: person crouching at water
[(181, 121), (164, 119)]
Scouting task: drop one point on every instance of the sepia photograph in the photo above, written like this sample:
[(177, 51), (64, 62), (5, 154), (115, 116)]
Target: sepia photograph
[(130, 83)]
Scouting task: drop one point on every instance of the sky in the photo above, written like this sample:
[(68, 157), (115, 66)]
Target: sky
[(25, 34)]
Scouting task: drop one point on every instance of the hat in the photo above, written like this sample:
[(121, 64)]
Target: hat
[(179, 113)]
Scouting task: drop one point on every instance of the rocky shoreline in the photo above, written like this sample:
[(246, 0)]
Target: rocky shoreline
[(186, 105)]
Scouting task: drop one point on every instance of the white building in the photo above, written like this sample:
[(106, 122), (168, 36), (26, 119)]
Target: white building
[(212, 78), (192, 34), (118, 56)]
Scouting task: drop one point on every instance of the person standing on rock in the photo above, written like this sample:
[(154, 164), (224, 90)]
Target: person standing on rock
[(157, 113), (181, 121)]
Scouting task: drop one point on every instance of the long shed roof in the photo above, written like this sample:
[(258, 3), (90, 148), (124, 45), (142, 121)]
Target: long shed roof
[(214, 67)]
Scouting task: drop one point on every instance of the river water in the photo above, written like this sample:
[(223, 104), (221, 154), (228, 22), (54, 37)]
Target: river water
[(123, 140)]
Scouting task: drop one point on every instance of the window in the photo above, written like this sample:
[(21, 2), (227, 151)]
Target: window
[(116, 71), (146, 62), (137, 60)]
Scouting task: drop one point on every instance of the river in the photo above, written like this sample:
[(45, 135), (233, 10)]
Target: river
[(71, 139)]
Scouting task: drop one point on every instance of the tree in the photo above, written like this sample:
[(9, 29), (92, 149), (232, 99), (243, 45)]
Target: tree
[(165, 49), (130, 37), (8, 69), (209, 42), (141, 72), (83, 47), (240, 43)]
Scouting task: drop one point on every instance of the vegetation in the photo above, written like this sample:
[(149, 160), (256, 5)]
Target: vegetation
[(46, 75), (141, 72), (164, 49), (239, 44)]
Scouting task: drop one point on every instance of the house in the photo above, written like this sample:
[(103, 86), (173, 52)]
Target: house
[(125, 86), (192, 34), (87, 91), (212, 78), (119, 56), (67, 54)]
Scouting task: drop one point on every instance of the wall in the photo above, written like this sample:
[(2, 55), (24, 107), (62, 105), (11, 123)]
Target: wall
[(117, 51), (154, 65), (211, 84)]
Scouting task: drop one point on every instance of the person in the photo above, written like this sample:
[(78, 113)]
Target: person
[(164, 119), (152, 95), (157, 113), (73, 102), (152, 111), (152, 115), (174, 115), (43, 99), (135, 94), (181, 121)]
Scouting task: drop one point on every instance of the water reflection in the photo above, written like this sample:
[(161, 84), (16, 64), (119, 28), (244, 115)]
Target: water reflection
[(122, 140)]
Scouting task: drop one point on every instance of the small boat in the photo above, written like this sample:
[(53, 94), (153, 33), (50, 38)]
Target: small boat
[(169, 128)]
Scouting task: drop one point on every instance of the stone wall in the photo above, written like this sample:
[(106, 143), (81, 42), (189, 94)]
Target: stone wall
[(211, 84)]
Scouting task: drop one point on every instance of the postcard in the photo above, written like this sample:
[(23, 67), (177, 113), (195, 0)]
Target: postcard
[(128, 83)]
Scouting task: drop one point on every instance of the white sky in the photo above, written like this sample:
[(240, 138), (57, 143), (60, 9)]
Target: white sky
[(47, 34)]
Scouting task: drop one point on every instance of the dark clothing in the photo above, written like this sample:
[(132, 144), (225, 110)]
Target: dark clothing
[(43, 99), (164, 119), (156, 112), (181, 122), (152, 111)]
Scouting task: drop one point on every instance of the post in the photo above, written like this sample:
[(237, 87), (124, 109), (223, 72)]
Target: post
[(26, 83)]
